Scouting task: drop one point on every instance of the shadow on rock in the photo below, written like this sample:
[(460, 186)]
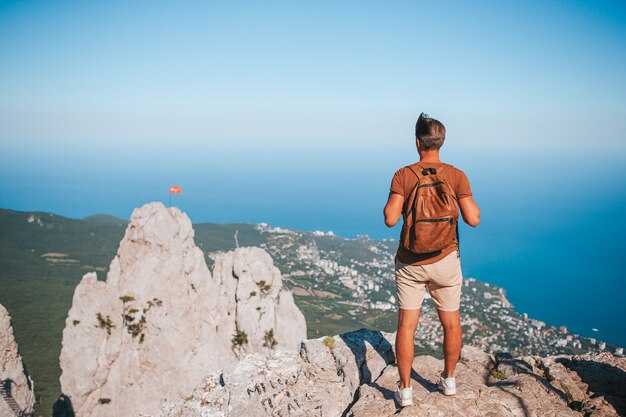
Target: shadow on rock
[(515, 366), (63, 407), (387, 393), (428, 385), (7, 396), (603, 380), (356, 341), (507, 366), (509, 387), (368, 363)]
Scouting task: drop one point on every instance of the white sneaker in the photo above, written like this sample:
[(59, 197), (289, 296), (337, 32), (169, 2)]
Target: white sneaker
[(404, 396), (447, 385)]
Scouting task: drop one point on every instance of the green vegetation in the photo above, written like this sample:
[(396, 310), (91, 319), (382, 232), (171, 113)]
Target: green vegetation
[(127, 298), (105, 323), (252, 293), (221, 237), (136, 328), (239, 339), (269, 340), (104, 400), (153, 302), (435, 352), (329, 342), (319, 325), (38, 292), (349, 248), (104, 219), (264, 287), (497, 373)]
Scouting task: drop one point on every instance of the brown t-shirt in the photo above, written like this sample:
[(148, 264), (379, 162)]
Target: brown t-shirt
[(402, 183)]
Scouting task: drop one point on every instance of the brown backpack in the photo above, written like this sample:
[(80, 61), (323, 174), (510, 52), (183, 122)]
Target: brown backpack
[(430, 213)]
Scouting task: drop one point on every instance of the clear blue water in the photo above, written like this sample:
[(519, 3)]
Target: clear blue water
[(551, 232)]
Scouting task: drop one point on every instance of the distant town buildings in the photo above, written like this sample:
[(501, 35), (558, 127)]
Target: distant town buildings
[(320, 233), (358, 274)]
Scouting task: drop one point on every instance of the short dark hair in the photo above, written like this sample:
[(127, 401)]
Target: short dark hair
[(430, 131)]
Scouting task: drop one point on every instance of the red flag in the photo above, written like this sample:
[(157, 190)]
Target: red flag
[(175, 189)]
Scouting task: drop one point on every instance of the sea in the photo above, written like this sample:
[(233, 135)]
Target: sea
[(552, 228)]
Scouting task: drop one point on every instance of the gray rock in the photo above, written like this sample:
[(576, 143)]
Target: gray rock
[(474, 354), (161, 321), (260, 306), (595, 384), (354, 374), (319, 381), (16, 387), (521, 395)]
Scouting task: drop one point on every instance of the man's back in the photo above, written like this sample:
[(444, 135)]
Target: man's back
[(403, 183)]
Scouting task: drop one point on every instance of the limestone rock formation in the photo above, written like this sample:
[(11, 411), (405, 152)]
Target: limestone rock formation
[(16, 388), (595, 384), (264, 312), (320, 380), (354, 374), (160, 321)]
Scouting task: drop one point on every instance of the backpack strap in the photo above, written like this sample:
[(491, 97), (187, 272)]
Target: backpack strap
[(444, 169), (419, 178), (407, 202), (413, 171), (423, 169)]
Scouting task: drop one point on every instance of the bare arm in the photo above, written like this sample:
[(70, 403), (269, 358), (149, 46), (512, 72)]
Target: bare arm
[(393, 209), (469, 211)]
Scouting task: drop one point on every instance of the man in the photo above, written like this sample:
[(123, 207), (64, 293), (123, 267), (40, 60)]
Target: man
[(440, 270)]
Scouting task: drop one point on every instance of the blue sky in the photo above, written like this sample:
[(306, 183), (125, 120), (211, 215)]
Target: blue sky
[(299, 113), (104, 104), (136, 73)]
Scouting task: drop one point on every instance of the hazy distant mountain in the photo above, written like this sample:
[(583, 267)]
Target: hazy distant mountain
[(104, 218)]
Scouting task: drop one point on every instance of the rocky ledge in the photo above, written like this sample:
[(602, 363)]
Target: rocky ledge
[(354, 375), (17, 397)]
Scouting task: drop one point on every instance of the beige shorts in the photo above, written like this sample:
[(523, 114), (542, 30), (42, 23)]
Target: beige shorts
[(443, 278)]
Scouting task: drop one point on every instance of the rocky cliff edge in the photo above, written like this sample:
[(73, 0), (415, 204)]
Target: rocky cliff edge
[(16, 388), (354, 375)]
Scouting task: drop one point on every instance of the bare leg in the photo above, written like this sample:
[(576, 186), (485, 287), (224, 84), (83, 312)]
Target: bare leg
[(452, 340), (405, 339)]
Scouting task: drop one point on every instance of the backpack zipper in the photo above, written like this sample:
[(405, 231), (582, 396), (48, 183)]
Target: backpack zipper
[(443, 219), (434, 184)]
